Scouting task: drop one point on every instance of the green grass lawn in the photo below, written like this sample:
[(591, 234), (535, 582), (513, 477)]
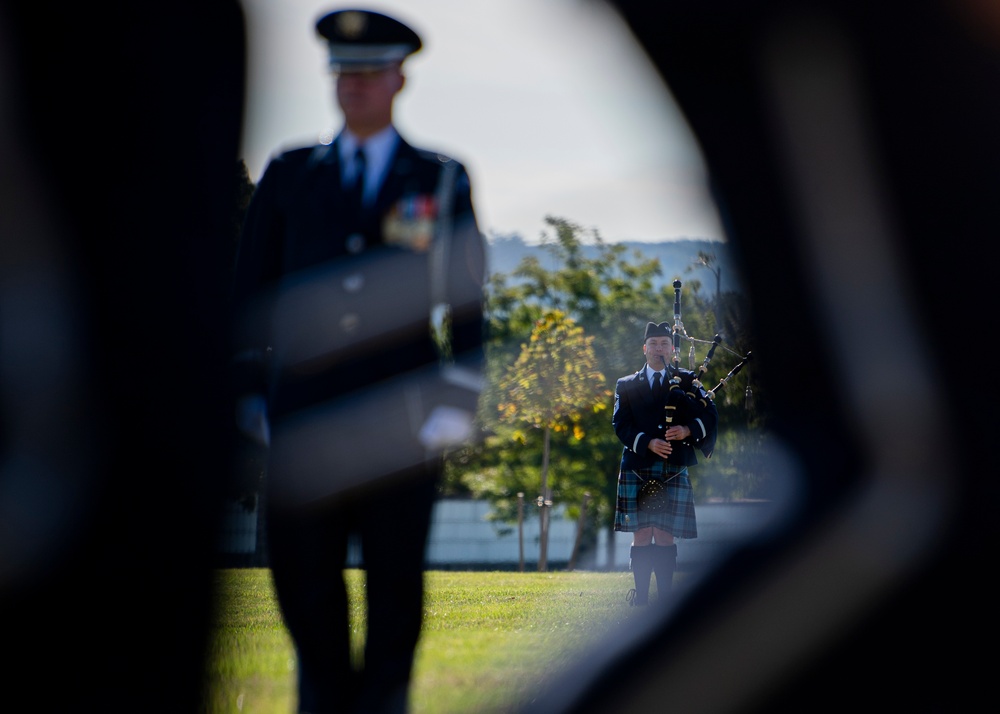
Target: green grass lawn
[(490, 639)]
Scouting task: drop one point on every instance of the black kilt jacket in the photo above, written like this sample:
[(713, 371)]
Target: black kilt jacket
[(637, 420), (329, 302)]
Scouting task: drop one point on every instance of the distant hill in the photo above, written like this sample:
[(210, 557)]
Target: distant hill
[(675, 256)]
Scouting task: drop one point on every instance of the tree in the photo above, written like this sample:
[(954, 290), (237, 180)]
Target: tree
[(708, 260), (550, 386), (610, 291)]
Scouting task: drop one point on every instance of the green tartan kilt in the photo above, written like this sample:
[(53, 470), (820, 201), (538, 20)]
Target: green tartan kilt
[(669, 508)]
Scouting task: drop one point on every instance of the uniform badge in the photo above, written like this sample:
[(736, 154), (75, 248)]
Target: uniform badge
[(410, 223), (351, 24)]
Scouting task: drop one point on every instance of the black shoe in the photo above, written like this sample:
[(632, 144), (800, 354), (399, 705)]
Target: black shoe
[(630, 597)]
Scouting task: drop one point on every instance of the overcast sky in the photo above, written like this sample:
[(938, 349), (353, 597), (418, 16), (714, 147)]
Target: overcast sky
[(549, 104)]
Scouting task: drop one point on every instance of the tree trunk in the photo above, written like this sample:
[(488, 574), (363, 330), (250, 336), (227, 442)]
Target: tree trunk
[(610, 549), (520, 532), (543, 551), (580, 522)]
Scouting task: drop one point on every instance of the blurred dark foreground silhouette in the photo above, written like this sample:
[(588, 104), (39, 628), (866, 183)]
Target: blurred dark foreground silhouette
[(120, 127)]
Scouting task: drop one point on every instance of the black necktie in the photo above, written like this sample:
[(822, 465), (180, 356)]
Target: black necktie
[(657, 387), (355, 191)]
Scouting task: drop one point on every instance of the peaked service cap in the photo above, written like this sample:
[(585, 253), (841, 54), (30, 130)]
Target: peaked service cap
[(653, 330), (360, 40)]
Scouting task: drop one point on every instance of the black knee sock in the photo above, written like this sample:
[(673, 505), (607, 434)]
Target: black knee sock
[(642, 572), (664, 560)]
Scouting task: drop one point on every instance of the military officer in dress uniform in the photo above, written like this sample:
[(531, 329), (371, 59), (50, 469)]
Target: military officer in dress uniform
[(661, 415), (359, 289)]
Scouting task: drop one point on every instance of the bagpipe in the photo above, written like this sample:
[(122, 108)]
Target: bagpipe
[(686, 397), (686, 400), (695, 384)]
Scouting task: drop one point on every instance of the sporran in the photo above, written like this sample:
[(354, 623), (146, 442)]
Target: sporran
[(652, 497)]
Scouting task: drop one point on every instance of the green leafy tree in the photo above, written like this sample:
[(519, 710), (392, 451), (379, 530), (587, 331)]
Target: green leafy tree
[(610, 291), (611, 294), (711, 263), (549, 388)]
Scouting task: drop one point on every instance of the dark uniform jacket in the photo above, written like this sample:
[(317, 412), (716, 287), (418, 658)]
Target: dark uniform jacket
[(341, 301), (637, 420), (335, 314)]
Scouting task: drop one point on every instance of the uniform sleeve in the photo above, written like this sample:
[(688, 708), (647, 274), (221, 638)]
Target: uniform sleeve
[(466, 275), (258, 255), (623, 420)]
